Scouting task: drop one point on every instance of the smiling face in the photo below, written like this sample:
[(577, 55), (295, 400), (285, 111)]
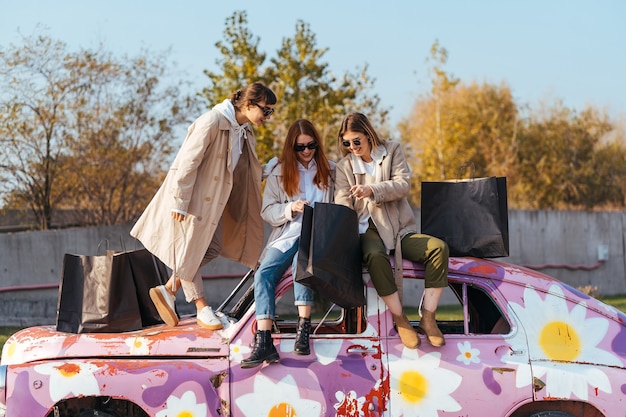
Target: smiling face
[(358, 144), (303, 146)]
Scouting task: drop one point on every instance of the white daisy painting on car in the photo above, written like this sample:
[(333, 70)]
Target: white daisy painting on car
[(561, 341), (419, 386)]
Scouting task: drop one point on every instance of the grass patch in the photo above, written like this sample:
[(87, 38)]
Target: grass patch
[(617, 301), (6, 332)]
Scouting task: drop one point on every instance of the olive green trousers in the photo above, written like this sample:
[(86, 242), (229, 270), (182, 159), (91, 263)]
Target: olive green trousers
[(429, 250)]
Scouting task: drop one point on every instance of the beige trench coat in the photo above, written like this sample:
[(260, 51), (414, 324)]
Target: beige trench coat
[(389, 207), (200, 182)]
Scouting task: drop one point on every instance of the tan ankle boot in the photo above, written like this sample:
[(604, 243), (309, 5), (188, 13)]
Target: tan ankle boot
[(407, 333), (430, 328)]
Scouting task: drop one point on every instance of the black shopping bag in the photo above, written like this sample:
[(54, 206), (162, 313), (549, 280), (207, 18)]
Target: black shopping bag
[(97, 295), (329, 254), (147, 271), (471, 216)]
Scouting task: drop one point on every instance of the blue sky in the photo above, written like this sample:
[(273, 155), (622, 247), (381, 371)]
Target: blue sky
[(545, 50)]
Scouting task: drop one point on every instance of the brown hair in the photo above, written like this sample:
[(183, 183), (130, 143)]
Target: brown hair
[(359, 123), (253, 94), (291, 176)]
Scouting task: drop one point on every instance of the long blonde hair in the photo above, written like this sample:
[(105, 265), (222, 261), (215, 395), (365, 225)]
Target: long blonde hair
[(359, 123)]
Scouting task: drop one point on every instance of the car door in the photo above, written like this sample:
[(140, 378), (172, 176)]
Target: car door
[(343, 375), (472, 374)]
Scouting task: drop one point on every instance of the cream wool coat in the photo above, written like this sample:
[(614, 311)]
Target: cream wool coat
[(388, 207), (275, 200), (200, 182)]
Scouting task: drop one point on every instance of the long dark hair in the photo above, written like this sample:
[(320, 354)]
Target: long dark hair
[(253, 94), (291, 176)]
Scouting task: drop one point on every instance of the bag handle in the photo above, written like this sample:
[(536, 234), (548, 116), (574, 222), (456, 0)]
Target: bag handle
[(462, 168), (100, 243), (324, 318), (174, 268)]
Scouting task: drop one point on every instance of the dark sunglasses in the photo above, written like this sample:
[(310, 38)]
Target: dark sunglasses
[(267, 111), (299, 148), (356, 142)]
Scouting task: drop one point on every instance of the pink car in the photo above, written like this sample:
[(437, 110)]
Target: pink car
[(518, 344)]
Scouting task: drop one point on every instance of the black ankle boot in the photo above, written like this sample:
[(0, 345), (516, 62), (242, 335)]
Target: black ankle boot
[(263, 350), (301, 347)]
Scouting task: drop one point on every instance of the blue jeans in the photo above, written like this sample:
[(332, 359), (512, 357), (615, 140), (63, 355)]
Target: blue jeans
[(273, 267)]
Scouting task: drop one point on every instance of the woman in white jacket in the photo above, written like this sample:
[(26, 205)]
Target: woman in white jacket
[(303, 177)]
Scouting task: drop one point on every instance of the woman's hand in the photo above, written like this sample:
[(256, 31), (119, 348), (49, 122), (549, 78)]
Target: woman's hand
[(361, 191), (298, 206), (178, 216)]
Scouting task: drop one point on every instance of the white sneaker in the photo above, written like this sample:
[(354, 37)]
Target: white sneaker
[(207, 319), (165, 302), (226, 321)]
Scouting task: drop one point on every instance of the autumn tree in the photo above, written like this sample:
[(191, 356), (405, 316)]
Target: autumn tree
[(606, 189), (607, 186), (553, 158), (563, 163), (84, 130), (304, 84), (240, 64), (309, 89), (457, 123), (33, 131)]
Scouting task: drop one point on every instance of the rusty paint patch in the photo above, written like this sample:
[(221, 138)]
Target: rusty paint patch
[(218, 379), (376, 400), (503, 370), (483, 269), (554, 398), (225, 408), (538, 384)]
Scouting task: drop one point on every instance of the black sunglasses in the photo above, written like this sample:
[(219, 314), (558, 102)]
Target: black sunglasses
[(356, 142), (267, 111), (299, 148)]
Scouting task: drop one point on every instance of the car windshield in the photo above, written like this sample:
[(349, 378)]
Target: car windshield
[(240, 299)]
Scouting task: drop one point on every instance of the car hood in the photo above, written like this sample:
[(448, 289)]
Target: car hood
[(187, 339)]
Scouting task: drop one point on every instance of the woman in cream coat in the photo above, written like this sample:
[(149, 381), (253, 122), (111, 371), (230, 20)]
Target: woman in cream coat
[(210, 202), (303, 177), (373, 179)]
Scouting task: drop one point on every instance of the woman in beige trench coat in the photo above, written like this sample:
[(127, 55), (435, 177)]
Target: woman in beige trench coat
[(210, 201)]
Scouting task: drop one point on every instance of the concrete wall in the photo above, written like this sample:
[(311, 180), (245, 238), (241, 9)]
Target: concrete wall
[(564, 244)]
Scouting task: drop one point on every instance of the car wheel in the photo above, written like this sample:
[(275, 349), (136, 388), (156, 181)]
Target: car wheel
[(550, 414)]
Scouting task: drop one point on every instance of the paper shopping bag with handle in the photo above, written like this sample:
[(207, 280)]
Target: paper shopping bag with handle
[(97, 295), (148, 271), (471, 216), (329, 254)]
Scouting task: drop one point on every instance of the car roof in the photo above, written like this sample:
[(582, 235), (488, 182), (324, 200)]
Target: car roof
[(486, 268), (510, 274)]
